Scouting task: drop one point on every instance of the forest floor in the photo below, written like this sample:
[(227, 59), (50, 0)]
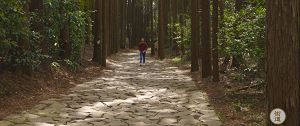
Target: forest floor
[(20, 93), (233, 103)]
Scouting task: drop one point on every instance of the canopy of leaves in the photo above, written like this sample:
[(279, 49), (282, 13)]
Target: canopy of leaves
[(12, 18), (243, 33)]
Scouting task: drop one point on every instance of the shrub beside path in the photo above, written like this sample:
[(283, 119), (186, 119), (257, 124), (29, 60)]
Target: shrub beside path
[(131, 95)]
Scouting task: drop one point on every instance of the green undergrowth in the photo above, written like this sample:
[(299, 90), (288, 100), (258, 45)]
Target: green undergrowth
[(181, 59), (3, 123)]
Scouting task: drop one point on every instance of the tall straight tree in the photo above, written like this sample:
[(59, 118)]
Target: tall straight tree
[(116, 27), (215, 41), (182, 12), (195, 34), (97, 37), (145, 23), (175, 14), (161, 54), (113, 26), (148, 23), (105, 32), (123, 14), (170, 30), (206, 46), (154, 16), (151, 25), (282, 60), (133, 23), (141, 30), (137, 22), (110, 25), (129, 24), (198, 20), (165, 12)]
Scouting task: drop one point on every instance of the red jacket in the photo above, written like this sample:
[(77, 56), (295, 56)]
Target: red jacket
[(143, 46)]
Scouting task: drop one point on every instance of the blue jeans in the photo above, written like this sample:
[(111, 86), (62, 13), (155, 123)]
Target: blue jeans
[(142, 56)]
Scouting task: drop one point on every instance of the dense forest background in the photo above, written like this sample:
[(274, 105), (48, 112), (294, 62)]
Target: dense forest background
[(34, 31), (219, 38)]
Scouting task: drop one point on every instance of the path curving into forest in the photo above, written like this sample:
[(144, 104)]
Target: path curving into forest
[(131, 95)]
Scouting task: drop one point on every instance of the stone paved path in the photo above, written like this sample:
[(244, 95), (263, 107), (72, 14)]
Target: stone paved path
[(153, 95)]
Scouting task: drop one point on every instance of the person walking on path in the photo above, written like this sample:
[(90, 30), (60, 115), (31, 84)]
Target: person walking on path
[(142, 48)]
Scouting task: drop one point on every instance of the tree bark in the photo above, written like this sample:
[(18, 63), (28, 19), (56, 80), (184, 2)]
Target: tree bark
[(199, 28), (98, 28), (206, 45), (113, 27), (215, 41), (282, 60), (129, 23), (117, 27), (182, 25), (123, 21), (165, 12), (133, 41), (195, 34), (175, 14), (152, 32), (65, 41), (170, 30), (160, 30), (146, 21), (137, 23), (144, 13), (105, 32), (155, 19), (140, 20), (110, 27)]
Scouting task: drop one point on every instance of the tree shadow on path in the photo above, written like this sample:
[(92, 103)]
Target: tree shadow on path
[(155, 94)]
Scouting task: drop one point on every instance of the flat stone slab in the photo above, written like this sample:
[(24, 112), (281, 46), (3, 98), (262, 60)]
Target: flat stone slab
[(40, 124), (168, 121), (117, 123), (41, 119), (152, 95)]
